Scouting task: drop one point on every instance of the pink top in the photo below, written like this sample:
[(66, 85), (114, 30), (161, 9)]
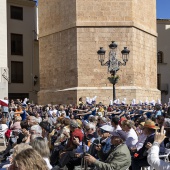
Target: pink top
[(15, 126)]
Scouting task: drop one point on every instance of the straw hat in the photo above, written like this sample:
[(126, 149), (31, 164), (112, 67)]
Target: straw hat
[(150, 124), (142, 123)]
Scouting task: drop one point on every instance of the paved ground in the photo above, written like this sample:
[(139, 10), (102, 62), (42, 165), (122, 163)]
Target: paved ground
[(1, 145)]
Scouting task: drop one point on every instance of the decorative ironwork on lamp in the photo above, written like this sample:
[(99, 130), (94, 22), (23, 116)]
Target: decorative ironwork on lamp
[(113, 63)]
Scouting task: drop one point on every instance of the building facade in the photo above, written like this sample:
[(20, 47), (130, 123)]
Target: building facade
[(163, 58), (23, 61), (72, 31), (3, 51)]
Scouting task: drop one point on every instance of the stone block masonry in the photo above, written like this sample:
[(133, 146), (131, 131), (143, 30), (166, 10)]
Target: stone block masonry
[(72, 31)]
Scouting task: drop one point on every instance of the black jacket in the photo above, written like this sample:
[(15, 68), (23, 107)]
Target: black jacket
[(142, 153)]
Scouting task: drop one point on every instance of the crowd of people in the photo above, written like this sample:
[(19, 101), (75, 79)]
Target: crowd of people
[(93, 136)]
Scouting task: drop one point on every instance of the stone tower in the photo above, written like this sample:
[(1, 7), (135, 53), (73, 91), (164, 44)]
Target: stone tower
[(71, 32)]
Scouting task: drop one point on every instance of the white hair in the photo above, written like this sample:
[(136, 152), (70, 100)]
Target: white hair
[(34, 119), (37, 129), (91, 126)]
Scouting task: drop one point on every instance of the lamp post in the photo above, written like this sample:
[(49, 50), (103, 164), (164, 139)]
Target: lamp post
[(113, 63)]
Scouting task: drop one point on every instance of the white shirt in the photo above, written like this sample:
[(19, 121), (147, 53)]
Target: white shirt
[(132, 138), (153, 159), (141, 140), (52, 111), (118, 128), (4, 127), (48, 163)]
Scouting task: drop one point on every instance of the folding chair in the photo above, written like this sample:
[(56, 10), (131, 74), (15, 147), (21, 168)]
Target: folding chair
[(166, 155), (2, 135)]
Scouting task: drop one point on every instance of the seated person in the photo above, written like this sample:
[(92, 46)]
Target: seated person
[(73, 148), (90, 133), (104, 145), (118, 157), (16, 125), (132, 138), (153, 152)]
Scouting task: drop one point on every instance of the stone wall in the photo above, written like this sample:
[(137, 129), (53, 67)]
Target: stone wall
[(58, 60), (140, 69), (72, 31), (56, 15)]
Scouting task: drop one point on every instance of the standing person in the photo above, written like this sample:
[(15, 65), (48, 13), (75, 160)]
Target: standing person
[(18, 111), (21, 111), (157, 110), (4, 106)]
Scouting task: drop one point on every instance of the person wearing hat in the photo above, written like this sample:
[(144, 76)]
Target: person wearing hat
[(140, 158), (118, 157), (104, 145)]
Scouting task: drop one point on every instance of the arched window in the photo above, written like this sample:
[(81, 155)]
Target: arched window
[(160, 57)]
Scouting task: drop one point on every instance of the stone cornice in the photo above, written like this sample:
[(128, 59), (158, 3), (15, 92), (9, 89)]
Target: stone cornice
[(105, 24), (101, 88), (119, 24), (22, 2)]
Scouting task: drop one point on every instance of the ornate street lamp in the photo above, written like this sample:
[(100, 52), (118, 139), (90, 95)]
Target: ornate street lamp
[(113, 63)]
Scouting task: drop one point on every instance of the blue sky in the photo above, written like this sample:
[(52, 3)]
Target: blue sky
[(163, 9)]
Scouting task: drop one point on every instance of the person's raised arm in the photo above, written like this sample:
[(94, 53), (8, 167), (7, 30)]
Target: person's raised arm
[(153, 152)]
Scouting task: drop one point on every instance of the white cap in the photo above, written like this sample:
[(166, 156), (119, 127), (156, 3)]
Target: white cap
[(111, 102), (140, 102), (134, 101), (152, 102), (115, 101), (159, 101), (107, 128), (124, 101), (94, 98)]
